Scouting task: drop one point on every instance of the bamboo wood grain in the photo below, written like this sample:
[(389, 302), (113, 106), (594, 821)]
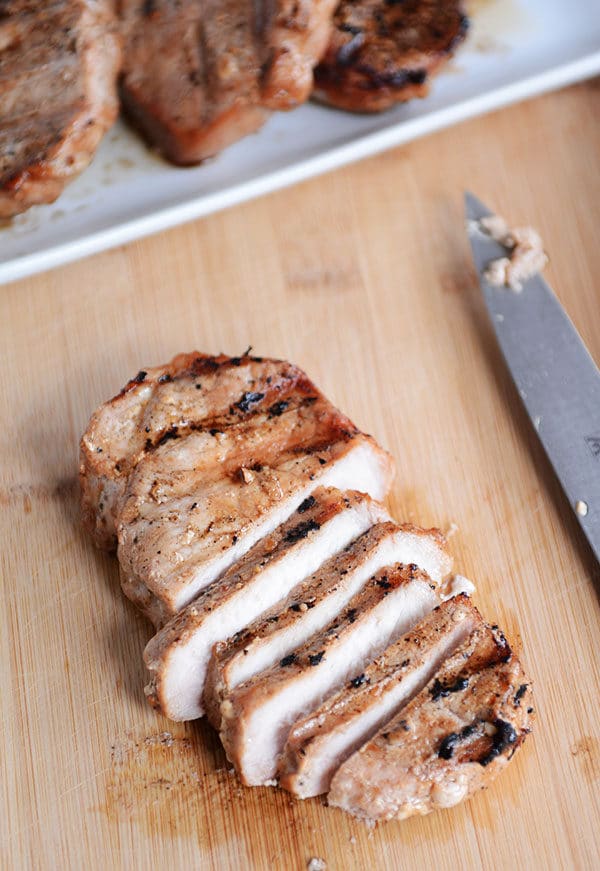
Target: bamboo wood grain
[(362, 277)]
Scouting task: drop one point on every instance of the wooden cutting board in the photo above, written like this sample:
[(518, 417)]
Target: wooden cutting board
[(363, 277)]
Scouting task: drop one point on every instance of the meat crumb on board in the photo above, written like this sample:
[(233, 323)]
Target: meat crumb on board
[(526, 254), (316, 864), (456, 585)]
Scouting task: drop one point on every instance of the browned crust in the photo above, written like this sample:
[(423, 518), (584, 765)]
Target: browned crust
[(105, 468), (382, 53), (198, 78)]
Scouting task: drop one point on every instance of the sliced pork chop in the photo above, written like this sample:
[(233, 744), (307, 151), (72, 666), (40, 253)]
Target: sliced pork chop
[(448, 742), (257, 716), (58, 95), (318, 744), (195, 505), (200, 75), (384, 52), (178, 655), (314, 603)]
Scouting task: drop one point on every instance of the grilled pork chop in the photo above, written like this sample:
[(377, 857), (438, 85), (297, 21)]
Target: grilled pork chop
[(200, 75), (258, 714), (384, 52), (319, 743), (449, 741), (217, 477), (178, 655), (314, 603), (58, 94)]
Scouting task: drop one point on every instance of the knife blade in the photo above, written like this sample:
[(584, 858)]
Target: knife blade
[(556, 377)]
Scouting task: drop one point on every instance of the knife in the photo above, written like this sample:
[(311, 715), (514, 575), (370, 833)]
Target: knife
[(555, 375)]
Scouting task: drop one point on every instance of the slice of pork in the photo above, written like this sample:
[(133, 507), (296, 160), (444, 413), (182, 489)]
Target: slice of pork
[(449, 741), (178, 655), (318, 744), (185, 523), (316, 602), (257, 716)]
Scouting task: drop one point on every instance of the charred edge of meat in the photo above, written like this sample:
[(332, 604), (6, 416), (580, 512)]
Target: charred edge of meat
[(202, 365), (505, 736), (247, 400), (441, 690), (277, 408), (519, 694), (376, 79), (297, 533), (308, 503), (237, 361), (502, 643)]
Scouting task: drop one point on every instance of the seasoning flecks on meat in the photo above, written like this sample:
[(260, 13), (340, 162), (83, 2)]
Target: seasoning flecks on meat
[(257, 715), (314, 603), (318, 744)]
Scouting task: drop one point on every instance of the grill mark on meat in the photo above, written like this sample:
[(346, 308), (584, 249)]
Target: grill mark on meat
[(440, 690), (456, 742), (301, 531), (196, 396), (176, 555), (146, 489), (306, 504), (505, 736)]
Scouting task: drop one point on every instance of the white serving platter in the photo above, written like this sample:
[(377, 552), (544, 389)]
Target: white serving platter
[(516, 49)]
